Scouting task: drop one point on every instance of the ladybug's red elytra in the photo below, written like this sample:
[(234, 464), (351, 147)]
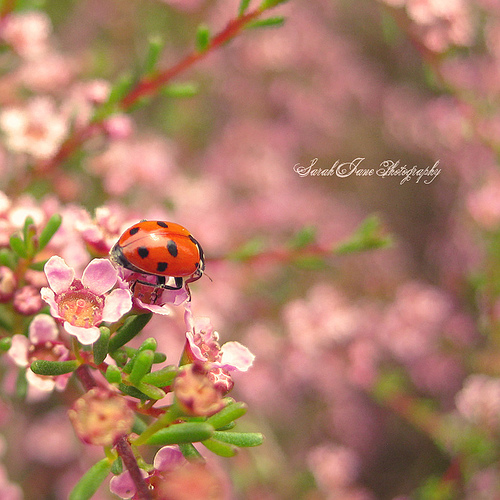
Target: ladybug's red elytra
[(162, 249)]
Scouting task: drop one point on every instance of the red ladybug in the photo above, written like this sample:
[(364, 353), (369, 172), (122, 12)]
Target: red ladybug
[(161, 249)]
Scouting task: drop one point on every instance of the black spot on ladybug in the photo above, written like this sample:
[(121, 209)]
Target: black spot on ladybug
[(172, 248), (133, 231), (161, 223), (161, 267), (143, 252)]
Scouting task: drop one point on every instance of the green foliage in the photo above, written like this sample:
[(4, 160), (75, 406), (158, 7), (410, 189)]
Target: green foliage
[(269, 4), (240, 439), (185, 432), (243, 7), (227, 415), (90, 482), (202, 38), (220, 448), (161, 378), (132, 327), (113, 374), (270, 22), (101, 345), (368, 236), (155, 49), (53, 224), (53, 368)]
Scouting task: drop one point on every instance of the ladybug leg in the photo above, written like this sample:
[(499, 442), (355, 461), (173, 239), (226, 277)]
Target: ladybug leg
[(179, 283)]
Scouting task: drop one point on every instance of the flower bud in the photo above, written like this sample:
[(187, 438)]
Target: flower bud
[(27, 300), (99, 417), (8, 283), (195, 393)]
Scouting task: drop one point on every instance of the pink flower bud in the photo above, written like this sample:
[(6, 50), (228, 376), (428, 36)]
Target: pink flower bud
[(195, 393), (99, 417)]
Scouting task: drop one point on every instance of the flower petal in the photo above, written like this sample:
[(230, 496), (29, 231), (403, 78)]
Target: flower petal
[(59, 274), (116, 304), (85, 336), (43, 328), (235, 356), (43, 384), (164, 310), (167, 458), (99, 276), (195, 349), (123, 485), (18, 350), (49, 296)]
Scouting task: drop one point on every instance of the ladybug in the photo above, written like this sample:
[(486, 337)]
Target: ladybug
[(161, 249)]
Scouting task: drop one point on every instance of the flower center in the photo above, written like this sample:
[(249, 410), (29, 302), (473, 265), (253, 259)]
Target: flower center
[(81, 308)]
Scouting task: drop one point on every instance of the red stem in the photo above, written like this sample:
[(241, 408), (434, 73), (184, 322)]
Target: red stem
[(86, 377), (127, 455), (149, 86)]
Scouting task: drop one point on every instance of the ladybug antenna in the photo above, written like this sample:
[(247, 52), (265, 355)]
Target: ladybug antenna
[(205, 274)]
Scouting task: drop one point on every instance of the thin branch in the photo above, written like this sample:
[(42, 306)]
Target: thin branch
[(127, 455)]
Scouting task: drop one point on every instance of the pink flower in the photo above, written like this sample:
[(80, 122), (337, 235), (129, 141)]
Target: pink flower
[(28, 33), (203, 346), (41, 343), (84, 304), (479, 401), (166, 458), (38, 129)]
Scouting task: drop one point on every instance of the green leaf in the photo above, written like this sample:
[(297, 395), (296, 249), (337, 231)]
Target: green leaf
[(303, 238), (53, 368), (132, 391), (132, 327), (248, 250), (240, 439), (202, 38), (38, 266), (149, 344), (151, 391), (113, 374), (227, 415), (117, 466), (118, 91), (185, 432), (7, 258), (5, 344), (190, 452), (90, 482), (101, 345), (180, 90), (161, 378), (270, 22), (243, 7), (18, 246), (139, 425), (21, 384), (220, 448), (29, 231), (367, 236), (155, 48), (269, 4), (159, 358), (53, 224)]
